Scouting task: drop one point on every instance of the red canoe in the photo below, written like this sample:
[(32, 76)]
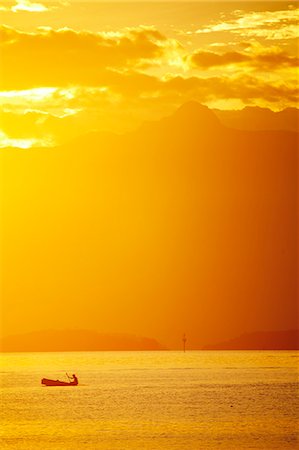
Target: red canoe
[(48, 382)]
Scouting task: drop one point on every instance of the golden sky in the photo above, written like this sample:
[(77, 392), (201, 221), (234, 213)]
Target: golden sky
[(71, 67), (180, 226)]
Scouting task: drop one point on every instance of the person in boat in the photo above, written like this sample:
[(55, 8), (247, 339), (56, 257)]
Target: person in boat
[(75, 379)]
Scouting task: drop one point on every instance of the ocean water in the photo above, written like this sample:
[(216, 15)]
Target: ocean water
[(151, 400)]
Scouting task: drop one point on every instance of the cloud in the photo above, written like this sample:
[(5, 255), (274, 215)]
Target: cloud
[(63, 57), (57, 115), (247, 88), (60, 83), (37, 128), (267, 59), (205, 59), (6, 141), (272, 25), (26, 6)]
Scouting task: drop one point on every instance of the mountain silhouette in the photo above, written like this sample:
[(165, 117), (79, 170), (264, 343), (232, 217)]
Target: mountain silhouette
[(193, 114), (255, 118), (190, 117)]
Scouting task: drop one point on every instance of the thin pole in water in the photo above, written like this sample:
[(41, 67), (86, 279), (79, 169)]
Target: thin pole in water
[(184, 342)]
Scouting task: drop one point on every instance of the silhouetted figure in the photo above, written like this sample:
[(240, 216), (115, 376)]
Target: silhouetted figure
[(75, 379)]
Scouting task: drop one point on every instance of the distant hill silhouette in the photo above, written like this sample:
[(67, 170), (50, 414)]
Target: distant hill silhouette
[(76, 340), (260, 340), (255, 118)]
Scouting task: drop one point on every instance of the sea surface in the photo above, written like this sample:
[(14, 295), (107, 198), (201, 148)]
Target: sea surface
[(151, 400)]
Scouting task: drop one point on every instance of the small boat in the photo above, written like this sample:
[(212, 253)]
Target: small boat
[(48, 382)]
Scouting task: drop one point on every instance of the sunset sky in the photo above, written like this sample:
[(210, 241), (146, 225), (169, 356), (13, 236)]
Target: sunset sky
[(71, 67), (127, 243)]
